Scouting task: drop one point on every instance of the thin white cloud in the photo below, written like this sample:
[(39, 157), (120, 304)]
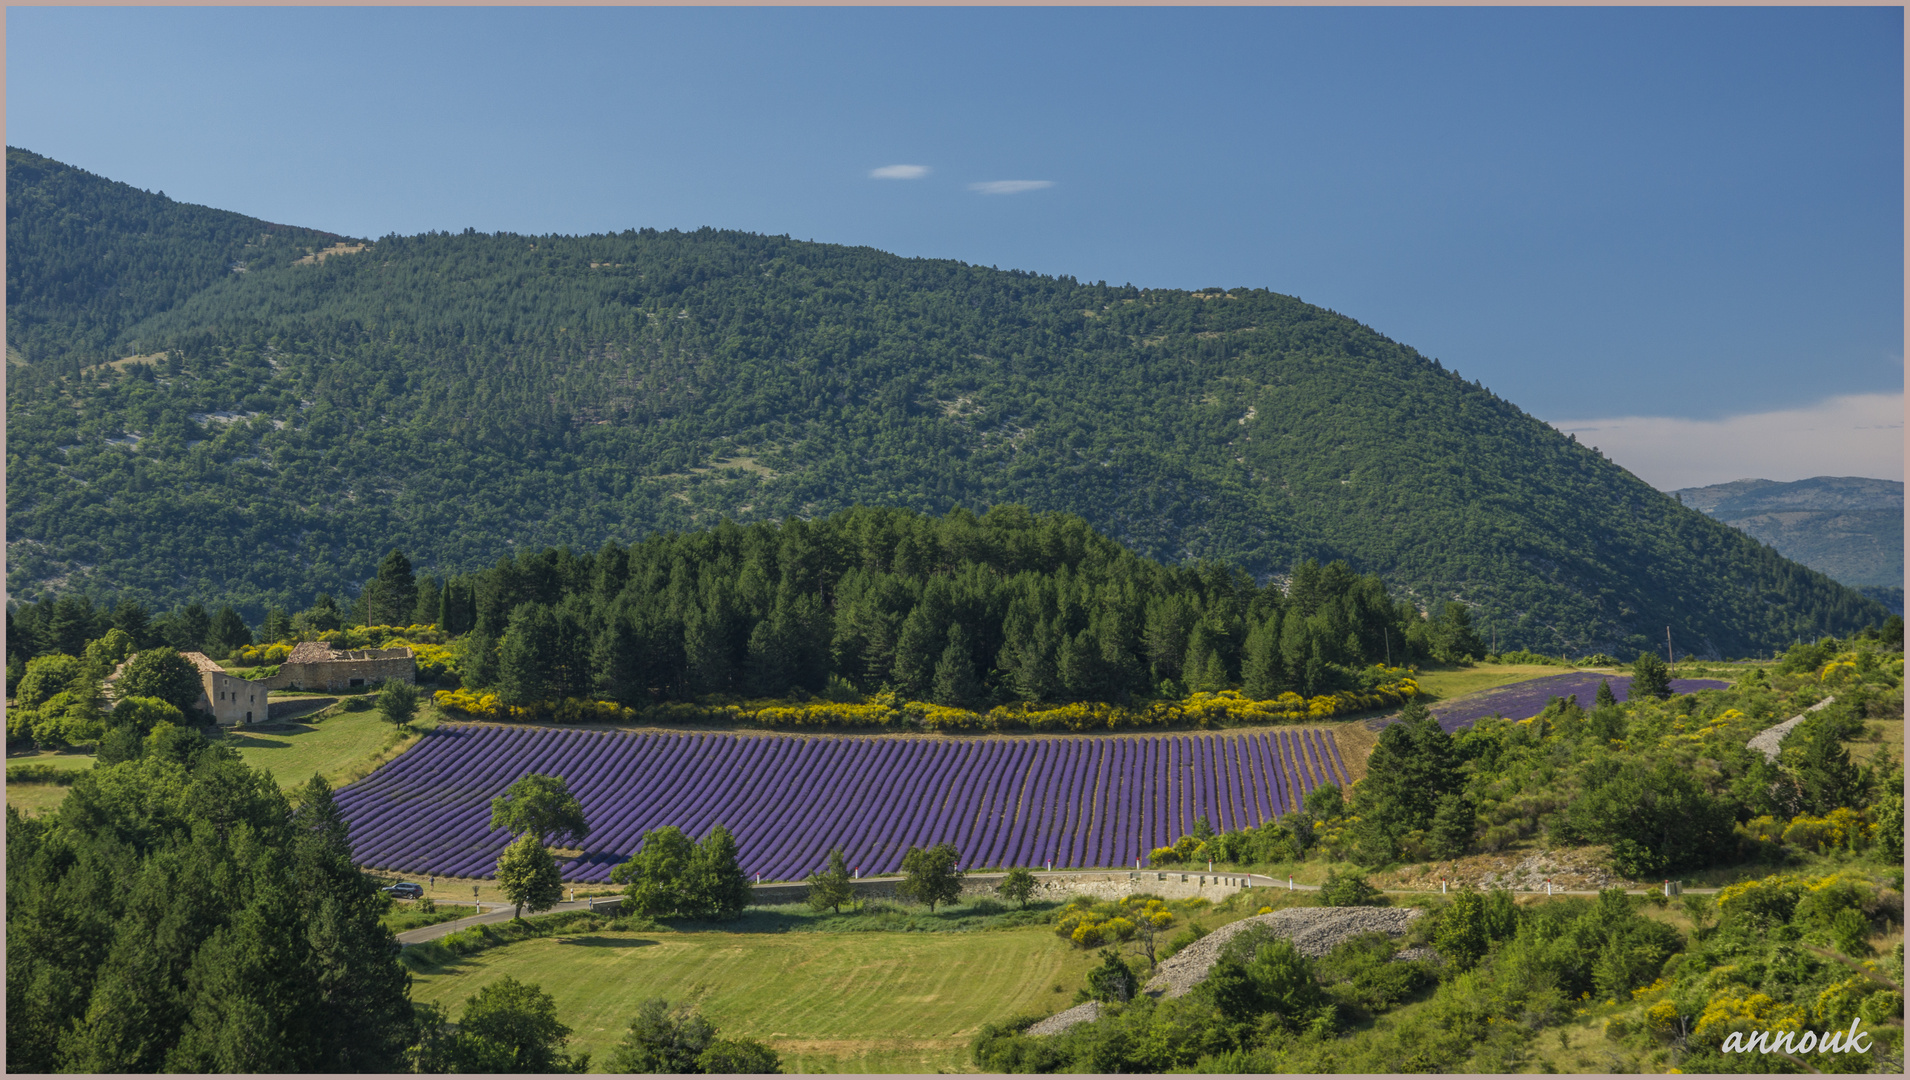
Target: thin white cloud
[(1009, 187), (1849, 435), (899, 172)]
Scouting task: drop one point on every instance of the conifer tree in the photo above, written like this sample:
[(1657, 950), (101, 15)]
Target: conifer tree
[(955, 682)]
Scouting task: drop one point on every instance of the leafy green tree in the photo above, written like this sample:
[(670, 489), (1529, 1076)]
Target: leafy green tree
[(931, 876), (528, 875), (1604, 698), (746, 1056), (1656, 818), (1348, 890), (1272, 981), (509, 1026), (542, 806), (662, 1041), (832, 887), (1650, 678), (1460, 934), (163, 674), (1325, 802), (714, 886), (104, 653), (1018, 885), (655, 874), (142, 714), (397, 701), (49, 675)]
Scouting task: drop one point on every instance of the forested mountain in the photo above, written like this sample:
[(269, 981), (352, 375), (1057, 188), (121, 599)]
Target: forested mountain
[(1850, 527), (461, 396)]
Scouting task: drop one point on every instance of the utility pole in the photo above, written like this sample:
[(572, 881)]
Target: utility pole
[(1670, 658)]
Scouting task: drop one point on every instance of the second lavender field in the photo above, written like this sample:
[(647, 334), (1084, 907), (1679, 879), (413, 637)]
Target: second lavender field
[(1522, 699)]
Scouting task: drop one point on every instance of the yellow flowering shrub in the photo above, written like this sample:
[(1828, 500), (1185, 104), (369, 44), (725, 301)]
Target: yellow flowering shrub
[(1088, 924), (1841, 828), (1727, 1012), (886, 710), (1765, 828)]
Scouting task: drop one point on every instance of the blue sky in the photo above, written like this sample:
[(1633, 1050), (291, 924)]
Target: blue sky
[(1693, 215)]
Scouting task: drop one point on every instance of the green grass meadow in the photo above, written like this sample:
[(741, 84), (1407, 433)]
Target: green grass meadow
[(855, 1002), (341, 747)]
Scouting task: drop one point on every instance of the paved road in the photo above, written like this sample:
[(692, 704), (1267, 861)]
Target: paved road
[(497, 913)]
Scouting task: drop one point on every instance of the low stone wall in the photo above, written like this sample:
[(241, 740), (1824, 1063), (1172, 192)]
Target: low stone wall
[(296, 706), (1107, 885)]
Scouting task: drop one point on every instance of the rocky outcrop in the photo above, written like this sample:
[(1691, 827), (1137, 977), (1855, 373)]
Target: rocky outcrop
[(1085, 1013)]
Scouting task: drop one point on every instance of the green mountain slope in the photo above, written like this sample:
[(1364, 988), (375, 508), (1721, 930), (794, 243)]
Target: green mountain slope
[(461, 396), (1850, 527), (87, 258)]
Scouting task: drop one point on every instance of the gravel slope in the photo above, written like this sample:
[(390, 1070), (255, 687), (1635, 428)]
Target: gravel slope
[(1313, 931)]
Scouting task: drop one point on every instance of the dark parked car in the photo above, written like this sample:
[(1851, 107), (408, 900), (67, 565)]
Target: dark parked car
[(405, 890)]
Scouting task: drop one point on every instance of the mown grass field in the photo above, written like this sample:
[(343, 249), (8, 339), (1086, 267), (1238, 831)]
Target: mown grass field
[(855, 1002), (341, 747)]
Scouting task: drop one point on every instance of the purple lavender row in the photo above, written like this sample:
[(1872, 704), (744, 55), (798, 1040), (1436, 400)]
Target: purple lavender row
[(1095, 801)]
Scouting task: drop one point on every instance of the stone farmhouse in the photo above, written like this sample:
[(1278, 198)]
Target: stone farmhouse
[(314, 665), (230, 699)]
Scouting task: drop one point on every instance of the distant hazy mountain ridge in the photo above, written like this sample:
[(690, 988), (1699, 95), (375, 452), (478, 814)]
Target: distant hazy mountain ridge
[(1849, 527), (462, 396)]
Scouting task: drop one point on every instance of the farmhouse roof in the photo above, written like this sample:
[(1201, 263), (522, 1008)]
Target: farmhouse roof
[(204, 663), (318, 652)]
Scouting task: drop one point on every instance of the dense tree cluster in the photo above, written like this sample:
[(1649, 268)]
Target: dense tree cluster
[(177, 914), (672, 875), (960, 610), (462, 396)]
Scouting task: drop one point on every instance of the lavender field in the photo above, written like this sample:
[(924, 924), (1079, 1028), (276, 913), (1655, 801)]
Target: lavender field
[(1522, 699), (1080, 802)]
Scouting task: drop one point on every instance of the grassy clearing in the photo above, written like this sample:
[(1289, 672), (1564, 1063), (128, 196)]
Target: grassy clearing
[(1445, 683), (340, 746), (862, 1002), (1879, 735), (409, 916), (37, 798)]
